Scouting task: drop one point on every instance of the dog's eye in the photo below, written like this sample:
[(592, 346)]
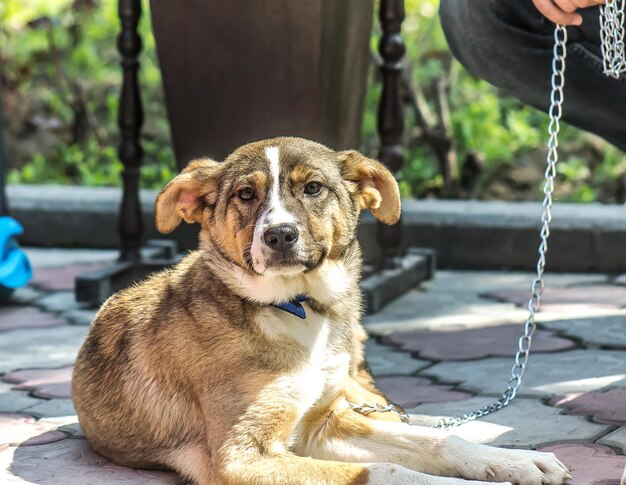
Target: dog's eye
[(246, 194), (313, 188)]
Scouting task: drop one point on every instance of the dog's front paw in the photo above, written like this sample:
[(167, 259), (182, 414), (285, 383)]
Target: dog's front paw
[(390, 474), (623, 482), (522, 467)]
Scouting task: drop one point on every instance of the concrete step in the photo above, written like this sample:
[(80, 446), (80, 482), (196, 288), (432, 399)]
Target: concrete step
[(465, 234)]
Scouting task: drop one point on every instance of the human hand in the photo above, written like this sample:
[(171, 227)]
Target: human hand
[(563, 12)]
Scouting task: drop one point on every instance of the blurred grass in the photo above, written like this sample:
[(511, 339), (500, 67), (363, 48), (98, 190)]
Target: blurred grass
[(61, 81), (61, 60)]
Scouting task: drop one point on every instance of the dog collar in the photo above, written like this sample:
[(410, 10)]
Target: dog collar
[(293, 306)]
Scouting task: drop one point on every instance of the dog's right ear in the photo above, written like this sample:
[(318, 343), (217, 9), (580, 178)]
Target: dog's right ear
[(186, 196)]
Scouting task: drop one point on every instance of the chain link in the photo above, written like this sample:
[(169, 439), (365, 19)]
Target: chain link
[(612, 37), (366, 409)]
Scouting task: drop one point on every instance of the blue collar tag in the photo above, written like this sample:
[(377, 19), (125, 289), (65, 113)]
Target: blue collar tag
[(293, 306)]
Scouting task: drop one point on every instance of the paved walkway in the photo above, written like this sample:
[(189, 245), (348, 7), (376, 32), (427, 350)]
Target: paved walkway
[(441, 350)]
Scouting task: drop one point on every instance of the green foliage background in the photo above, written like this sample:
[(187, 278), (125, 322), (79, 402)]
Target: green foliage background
[(74, 51), (61, 76)]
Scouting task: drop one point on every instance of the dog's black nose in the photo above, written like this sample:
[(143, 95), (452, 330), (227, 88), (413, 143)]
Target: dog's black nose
[(281, 237)]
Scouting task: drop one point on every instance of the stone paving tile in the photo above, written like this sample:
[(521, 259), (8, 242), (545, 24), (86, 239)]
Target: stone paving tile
[(385, 361), (608, 330), (25, 295), (456, 293), (16, 317), (409, 392), (547, 375), (67, 424), (52, 408), (616, 439), (483, 281), (474, 343), (59, 301), (453, 298), (71, 462), (14, 401), (608, 407), (55, 258), (40, 347), (45, 383), (419, 309), (483, 314), (23, 430), (81, 317), (590, 464), (525, 423), (592, 295), (56, 279)]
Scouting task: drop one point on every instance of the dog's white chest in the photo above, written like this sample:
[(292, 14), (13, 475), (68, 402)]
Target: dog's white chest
[(322, 370)]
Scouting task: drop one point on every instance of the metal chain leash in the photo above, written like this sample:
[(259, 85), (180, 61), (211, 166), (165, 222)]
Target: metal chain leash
[(534, 303), (614, 62), (537, 286), (612, 35)]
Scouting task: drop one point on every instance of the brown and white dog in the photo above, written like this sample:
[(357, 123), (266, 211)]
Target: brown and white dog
[(208, 370)]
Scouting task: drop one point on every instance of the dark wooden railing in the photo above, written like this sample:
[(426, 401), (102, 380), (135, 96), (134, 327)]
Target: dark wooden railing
[(391, 112), (130, 119)]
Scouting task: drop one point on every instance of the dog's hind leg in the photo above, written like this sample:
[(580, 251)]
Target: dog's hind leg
[(192, 462)]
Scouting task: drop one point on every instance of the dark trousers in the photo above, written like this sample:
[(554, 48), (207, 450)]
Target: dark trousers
[(509, 44)]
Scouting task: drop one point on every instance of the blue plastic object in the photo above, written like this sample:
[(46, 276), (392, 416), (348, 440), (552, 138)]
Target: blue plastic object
[(15, 269)]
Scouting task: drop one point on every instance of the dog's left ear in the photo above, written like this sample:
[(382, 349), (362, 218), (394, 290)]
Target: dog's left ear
[(186, 196), (377, 187)]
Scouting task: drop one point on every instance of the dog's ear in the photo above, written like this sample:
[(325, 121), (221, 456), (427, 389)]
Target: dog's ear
[(377, 187), (186, 196)]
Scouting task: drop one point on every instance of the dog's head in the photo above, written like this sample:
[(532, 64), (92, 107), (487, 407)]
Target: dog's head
[(282, 206)]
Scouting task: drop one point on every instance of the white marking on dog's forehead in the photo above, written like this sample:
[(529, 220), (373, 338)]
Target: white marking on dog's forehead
[(276, 213), (272, 154)]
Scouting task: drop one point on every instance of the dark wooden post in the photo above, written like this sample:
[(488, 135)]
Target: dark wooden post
[(390, 112), (130, 119)]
